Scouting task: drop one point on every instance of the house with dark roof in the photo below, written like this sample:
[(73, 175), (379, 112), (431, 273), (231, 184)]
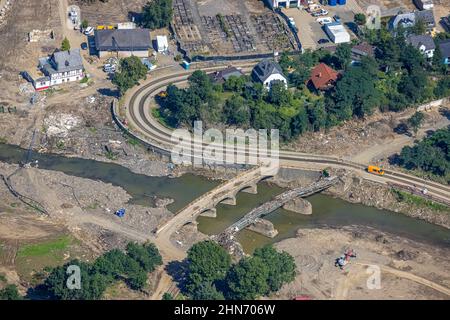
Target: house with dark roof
[(123, 42), (223, 75), (362, 50), (61, 67), (409, 19), (444, 47), (424, 43), (323, 77), (268, 72), (427, 16)]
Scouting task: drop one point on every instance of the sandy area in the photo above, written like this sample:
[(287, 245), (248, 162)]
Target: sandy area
[(408, 270)]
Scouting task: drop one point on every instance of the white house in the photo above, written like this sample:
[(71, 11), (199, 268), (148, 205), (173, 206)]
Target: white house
[(61, 67), (284, 3), (337, 32), (424, 43), (268, 72)]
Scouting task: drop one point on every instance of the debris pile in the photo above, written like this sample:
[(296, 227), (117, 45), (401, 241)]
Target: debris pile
[(41, 35)]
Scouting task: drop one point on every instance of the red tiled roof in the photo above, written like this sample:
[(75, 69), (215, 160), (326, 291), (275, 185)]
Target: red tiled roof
[(322, 76)]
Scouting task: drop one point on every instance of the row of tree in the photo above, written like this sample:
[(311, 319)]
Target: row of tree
[(431, 155), (131, 266), (212, 276)]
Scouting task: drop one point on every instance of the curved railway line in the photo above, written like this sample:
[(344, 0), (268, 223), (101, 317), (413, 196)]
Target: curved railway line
[(155, 134)]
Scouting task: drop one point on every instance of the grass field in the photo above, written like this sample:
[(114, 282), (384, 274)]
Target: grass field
[(33, 258), (45, 248), (419, 201)]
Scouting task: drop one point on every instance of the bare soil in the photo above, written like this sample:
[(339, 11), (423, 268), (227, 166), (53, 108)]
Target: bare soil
[(409, 270)]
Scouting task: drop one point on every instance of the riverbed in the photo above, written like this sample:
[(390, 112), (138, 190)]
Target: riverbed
[(327, 211)]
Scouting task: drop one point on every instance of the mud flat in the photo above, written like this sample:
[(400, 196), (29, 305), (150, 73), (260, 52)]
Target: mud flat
[(409, 270)]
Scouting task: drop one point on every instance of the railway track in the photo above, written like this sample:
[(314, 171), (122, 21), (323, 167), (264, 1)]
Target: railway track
[(155, 134)]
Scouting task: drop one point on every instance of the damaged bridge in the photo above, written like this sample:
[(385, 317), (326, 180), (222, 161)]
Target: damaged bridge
[(227, 236)]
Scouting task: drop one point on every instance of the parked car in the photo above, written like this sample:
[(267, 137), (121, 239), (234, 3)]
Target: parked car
[(322, 41), (84, 46), (88, 30), (324, 20), (337, 18)]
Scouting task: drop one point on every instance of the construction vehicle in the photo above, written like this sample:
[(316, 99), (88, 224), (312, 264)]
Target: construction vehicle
[(343, 260), (162, 94), (375, 170)]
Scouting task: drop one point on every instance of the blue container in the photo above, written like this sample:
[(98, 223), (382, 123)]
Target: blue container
[(341, 2), (332, 3)]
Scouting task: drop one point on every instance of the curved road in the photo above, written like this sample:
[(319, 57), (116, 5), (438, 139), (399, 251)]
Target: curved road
[(142, 124)]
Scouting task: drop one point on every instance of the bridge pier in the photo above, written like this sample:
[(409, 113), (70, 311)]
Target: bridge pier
[(298, 205), (264, 227), (230, 201), (253, 189), (210, 213)]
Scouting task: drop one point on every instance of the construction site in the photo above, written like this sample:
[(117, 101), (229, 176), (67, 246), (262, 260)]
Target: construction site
[(229, 28)]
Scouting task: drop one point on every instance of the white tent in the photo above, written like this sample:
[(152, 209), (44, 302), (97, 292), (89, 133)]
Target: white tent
[(162, 43)]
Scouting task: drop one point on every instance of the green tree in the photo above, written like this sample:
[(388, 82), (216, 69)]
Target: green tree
[(207, 262), (281, 266), (157, 14), (84, 24), (360, 19), (430, 155), (355, 94), (137, 280), (65, 45), (167, 296), (236, 111), (343, 55), (442, 88), (416, 121), (419, 27), (10, 292), (131, 71), (146, 255), (247, 279), (93, 284), (278, 94), (207, 291)]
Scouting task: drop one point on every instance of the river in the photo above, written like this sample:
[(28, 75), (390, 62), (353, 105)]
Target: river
[(327, 211)]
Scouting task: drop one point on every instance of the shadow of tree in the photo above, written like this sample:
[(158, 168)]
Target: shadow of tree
[(178, 270), (109, 92)]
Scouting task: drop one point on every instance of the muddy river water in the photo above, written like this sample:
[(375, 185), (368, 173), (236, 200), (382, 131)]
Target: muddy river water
[(327, 211)]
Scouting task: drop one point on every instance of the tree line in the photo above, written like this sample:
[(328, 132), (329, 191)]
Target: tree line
[(131, 266), (431, 155), (211, 275)]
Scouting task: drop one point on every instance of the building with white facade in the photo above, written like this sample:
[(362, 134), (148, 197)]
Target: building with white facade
[(61, 67), (424, 43), (284, 3), (337, 33), (267, 72)]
